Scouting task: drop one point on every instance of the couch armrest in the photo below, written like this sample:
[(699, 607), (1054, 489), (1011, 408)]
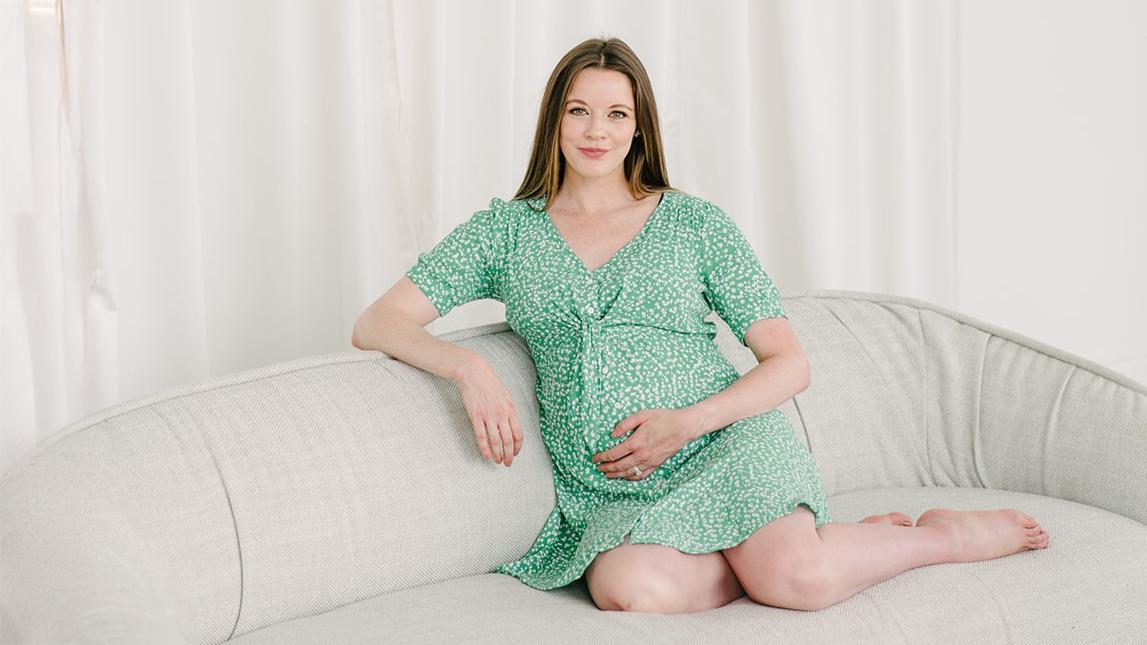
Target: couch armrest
[(1056, 425), (76, 584)]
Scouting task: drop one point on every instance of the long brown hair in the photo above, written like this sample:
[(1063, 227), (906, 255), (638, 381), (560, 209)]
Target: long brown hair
[(644, 164)]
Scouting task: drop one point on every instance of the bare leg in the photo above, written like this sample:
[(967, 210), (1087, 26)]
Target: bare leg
[(861, 554)]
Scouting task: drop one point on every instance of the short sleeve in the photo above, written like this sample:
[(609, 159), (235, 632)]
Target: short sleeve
[(736, 286), (464, 265)]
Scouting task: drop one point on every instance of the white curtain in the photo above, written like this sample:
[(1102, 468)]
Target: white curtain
[(197, 187)]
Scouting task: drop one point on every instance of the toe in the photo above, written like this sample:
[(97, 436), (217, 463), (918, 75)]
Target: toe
[(925, 515)]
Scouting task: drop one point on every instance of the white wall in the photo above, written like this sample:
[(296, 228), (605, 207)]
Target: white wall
[(1053, 174)]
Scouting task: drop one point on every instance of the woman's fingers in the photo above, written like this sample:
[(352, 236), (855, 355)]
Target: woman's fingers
[(495, 438), (483, 440), (507, 442), (516, 429)]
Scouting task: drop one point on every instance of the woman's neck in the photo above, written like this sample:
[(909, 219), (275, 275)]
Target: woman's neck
[(594, 196)]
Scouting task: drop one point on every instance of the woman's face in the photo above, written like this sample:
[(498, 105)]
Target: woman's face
[(599, 113)]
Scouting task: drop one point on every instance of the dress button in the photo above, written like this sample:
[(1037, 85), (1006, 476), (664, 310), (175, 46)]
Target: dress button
[(590, 309), (617, 404), (605, 370)]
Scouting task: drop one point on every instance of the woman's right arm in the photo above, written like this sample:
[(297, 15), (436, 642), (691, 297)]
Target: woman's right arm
[(395, 324)]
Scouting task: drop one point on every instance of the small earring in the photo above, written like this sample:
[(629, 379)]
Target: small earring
[(637, 134)]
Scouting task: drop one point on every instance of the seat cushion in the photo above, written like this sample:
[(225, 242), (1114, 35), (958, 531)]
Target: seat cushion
[(1089, 586)]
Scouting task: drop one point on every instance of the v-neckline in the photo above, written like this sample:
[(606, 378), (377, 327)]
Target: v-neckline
[(632, 241)]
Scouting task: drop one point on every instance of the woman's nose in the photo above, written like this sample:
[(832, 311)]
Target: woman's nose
[(595, 129)]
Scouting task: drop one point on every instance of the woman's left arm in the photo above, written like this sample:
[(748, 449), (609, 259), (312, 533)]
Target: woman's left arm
[(781, 373)]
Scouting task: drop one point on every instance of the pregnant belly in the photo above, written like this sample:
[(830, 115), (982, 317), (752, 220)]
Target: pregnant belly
[(630, 378)]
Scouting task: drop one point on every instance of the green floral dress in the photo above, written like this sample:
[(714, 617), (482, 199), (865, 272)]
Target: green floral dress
[(628, 336)]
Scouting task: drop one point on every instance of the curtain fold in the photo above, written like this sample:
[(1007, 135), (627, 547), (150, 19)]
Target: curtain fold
[(205, 187)]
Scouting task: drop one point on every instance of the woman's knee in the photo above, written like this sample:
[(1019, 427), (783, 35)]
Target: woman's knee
[(651, 592), (636, 588), (629, 579)]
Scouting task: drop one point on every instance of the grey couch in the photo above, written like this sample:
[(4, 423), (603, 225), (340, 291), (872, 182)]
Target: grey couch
[(342, 499)]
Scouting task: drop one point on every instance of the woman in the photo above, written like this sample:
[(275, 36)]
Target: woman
[(680, 486)]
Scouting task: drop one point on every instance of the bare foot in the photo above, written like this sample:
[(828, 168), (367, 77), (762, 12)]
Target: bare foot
[(895, 519), (984, 535)]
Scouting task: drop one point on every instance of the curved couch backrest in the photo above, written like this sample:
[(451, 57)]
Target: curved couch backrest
[(293, 489)]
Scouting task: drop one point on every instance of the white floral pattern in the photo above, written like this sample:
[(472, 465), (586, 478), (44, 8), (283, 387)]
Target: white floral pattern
[(628, 336)]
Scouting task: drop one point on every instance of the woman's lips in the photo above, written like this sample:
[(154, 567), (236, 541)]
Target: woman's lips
[(593, 153)]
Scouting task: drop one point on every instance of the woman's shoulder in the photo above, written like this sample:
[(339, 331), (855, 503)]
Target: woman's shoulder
[(513, 209), (501, 213), (685, 201), (688, 210)]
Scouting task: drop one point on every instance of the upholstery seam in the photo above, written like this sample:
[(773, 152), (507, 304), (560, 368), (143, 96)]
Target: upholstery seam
[(1051, 423), (230, 509), (871, 361), (924, 397), (979, 412)]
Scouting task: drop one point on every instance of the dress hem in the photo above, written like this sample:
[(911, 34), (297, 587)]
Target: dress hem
[(820, 519)]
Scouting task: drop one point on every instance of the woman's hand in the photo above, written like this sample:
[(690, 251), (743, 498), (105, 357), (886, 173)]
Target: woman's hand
[(657, 435), (491, 411)]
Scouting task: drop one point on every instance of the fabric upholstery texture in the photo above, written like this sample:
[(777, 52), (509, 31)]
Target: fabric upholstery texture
[(341, 498)]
